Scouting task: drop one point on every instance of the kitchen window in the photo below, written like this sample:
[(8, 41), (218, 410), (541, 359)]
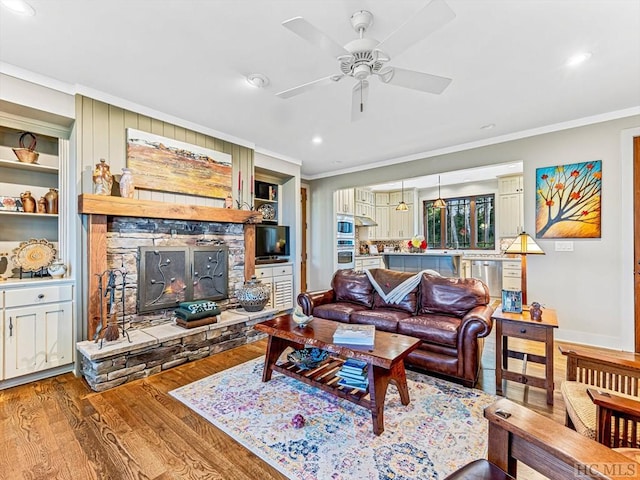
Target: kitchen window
[(465, 223)]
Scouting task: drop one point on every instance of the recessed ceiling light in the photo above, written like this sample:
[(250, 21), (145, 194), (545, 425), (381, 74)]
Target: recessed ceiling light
[(257, 80), (317, 140), (19, 7), (488, 126), (578, 58)]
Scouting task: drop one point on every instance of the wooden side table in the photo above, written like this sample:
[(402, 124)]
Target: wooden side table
[(520, 325)]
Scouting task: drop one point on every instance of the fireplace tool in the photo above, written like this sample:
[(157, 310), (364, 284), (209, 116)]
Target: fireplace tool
[(112, 330)]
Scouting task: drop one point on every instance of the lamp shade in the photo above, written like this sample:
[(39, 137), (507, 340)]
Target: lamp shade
[(402, 207), (439, 203), (524, 245)]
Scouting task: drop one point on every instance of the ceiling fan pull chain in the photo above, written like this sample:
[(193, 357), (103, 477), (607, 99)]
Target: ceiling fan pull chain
[(361, 101)]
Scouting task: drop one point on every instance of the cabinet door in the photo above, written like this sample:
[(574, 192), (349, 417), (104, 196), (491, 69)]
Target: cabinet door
[(283, 292), (345, 201), (37, 338), (400, 223), (382, 199), (382, 219), (395, 198), (511, 214)]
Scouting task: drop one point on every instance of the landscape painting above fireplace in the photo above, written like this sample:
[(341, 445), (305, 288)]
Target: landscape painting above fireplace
[(161, 163)]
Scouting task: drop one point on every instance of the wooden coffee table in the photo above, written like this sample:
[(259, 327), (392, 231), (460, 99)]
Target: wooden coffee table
[(385, 359)]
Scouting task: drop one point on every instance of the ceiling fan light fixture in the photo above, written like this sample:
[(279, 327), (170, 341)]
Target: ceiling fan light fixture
[(257, 80)]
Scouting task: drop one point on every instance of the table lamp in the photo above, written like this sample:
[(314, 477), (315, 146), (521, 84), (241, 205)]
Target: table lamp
[(524, 245)]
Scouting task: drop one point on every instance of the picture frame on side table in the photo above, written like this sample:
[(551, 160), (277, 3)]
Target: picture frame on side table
[(512, 301)]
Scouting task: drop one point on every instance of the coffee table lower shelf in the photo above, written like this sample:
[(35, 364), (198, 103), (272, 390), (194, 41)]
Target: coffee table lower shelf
[(324, 377)]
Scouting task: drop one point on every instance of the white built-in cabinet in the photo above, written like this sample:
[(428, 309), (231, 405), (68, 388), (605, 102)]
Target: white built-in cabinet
[(37, 329), (36, 311), (393, 224), (365, 205), (367, 263), (279, 278), (510, 206), (345, 201)]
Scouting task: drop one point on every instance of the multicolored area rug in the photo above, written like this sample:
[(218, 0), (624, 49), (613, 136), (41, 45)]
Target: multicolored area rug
[(439, 431)]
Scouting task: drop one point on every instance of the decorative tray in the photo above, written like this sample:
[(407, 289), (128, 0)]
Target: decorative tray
[(33, 255)]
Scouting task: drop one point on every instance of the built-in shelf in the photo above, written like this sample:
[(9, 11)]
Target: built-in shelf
[(32, 167), (90, 204), (26, 214)]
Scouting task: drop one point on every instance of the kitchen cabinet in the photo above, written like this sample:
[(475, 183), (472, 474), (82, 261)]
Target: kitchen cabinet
[(38, 329), (401, 223), (511, 275), (382, 219), (345, 201), (365, 210), (279, 278), (382, 199), (396, 197), (369, 262), (365, 196), (510, 206)]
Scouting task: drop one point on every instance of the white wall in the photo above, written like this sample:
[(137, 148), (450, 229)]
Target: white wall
[(585, 286)]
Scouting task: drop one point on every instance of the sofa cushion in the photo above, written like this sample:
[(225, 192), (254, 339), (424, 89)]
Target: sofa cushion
[(440, 329), (408, 304), (340, 311), (451, 296), (353, 287), (382, 319)]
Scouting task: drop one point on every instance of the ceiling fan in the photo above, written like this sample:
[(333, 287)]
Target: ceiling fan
[(366, 57)]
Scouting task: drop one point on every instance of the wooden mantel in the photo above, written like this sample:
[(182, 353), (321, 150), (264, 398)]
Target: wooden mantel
[(99, 207), (91, 204)]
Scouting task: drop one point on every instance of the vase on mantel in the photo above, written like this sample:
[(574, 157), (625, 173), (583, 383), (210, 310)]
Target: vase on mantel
[(102, 178), (127, 186)]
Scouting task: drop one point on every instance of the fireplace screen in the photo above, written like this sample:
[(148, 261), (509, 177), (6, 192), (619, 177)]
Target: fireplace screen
[(170, 275)]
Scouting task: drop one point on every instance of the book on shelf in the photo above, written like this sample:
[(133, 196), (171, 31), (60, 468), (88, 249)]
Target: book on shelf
[(351, 385), (355, 363), (361, 377), (355, 334)]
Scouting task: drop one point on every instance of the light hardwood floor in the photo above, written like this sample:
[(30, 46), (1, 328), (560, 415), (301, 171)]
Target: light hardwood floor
[(59, 429)]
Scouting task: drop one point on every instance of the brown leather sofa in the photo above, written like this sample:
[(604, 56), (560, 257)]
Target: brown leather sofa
[(449, 315)]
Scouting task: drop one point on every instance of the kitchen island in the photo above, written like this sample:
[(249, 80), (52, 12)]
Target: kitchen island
[(447, 263)]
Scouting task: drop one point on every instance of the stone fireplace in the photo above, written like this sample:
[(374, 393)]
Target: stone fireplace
[(171, 261), (116, 239)]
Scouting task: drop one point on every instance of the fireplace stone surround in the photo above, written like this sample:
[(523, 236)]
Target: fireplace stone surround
[(116, 227)]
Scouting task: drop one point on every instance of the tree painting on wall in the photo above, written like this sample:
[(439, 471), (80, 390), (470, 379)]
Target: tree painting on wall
[(568, 199)]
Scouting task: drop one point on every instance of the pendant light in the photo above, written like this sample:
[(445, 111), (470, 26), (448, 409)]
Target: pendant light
[(439, 203), (402, 207)]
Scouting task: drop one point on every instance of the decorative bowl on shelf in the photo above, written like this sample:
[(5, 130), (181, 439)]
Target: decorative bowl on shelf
[(307, 358)]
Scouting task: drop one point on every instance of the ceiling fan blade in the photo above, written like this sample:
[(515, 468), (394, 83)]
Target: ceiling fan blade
[(292, 92), (311, 34), (423, 23), (424, 82), (359, 99)]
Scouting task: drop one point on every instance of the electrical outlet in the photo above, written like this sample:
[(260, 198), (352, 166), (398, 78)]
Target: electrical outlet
[(564, 246)]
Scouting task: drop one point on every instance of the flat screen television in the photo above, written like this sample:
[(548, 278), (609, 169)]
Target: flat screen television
[(272, 241)]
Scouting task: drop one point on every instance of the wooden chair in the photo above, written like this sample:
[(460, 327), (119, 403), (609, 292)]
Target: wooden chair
[(517, 434), (602, 395)]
